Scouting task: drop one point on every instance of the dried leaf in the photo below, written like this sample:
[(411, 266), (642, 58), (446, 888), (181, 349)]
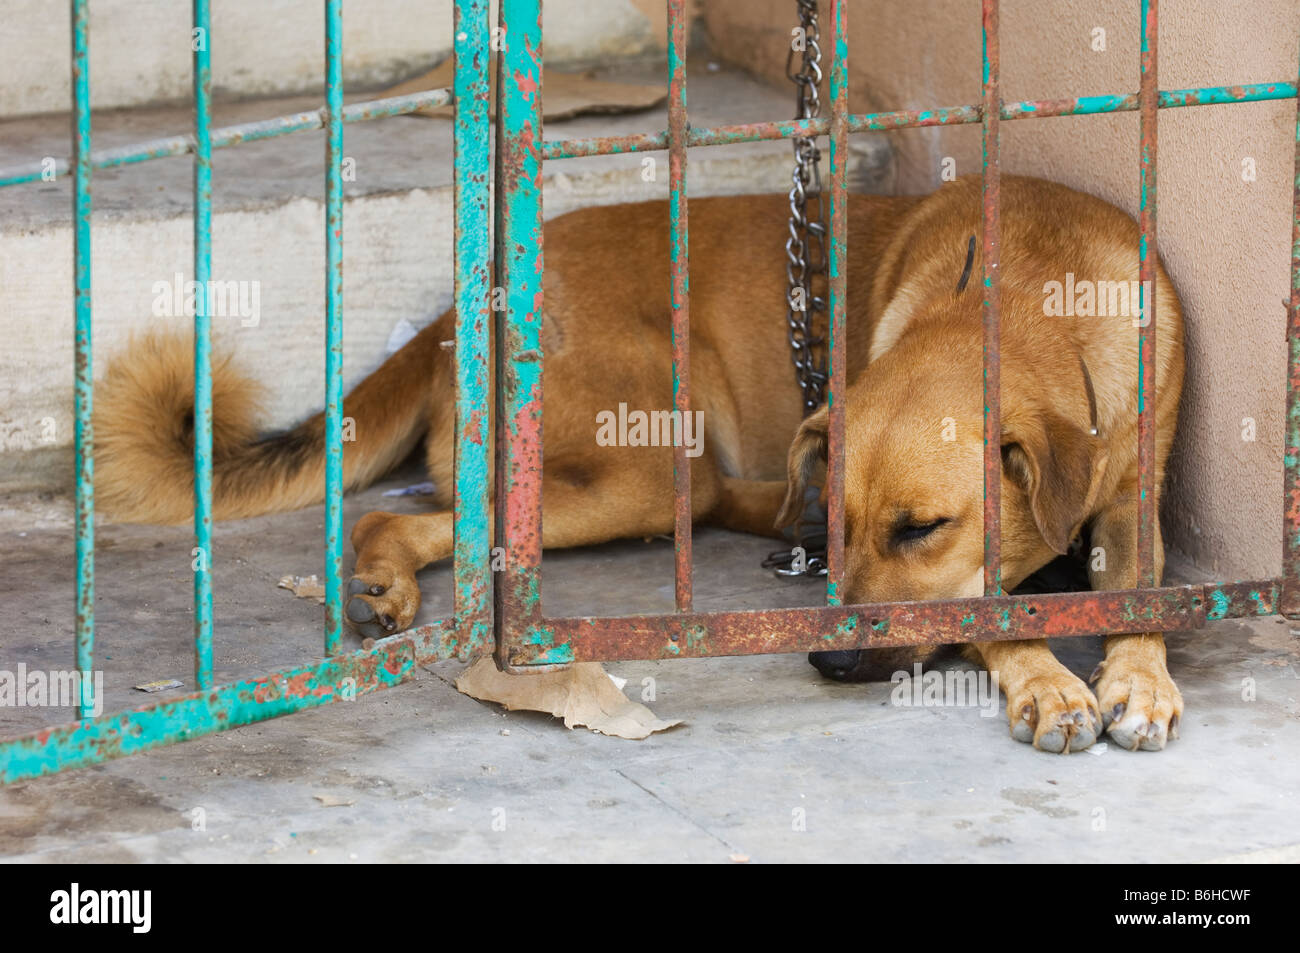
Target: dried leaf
[(304, 587), (582, 694)]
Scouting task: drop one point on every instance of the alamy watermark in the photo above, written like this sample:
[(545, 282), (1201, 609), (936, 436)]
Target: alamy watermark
[(53, 689), (1100, 299), (225, 299), (951, 689), (653, 428)]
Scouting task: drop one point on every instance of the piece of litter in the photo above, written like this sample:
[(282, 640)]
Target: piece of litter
[(506, 732), (332, 800), (402, 333), (740, 858), (417, 489), (162, 685), (1098, 749), (304, 587), (582, 694)]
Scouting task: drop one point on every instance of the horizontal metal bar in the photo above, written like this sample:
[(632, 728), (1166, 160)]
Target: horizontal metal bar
[(234, 135), (658, 141), (914, 118), (392, 659), (830, 628), (200, 713)]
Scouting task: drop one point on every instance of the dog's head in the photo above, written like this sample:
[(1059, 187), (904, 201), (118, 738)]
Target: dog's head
[(913, 480)]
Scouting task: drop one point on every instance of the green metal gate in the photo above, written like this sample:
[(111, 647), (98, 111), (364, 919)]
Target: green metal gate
[(507, 614)]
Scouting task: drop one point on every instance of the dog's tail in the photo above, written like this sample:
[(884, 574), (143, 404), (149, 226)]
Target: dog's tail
[(144, 433)]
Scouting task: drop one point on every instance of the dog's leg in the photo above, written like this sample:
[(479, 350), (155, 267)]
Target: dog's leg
[(383, 594), (749, 506), (1046, 703), (634, 499), (1140, 703)]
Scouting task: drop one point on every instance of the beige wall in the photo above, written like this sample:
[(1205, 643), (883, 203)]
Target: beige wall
[(1225, 241)]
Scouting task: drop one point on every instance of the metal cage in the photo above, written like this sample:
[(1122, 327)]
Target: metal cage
[(505, 612)]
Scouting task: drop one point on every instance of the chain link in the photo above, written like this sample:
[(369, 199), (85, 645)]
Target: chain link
[(805, 248), (805, 251)]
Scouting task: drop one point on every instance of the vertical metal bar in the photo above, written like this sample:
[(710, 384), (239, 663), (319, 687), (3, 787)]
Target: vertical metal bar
[(1290, 592), (83, 385), (992, 302), (678, 129), (333, 326), (839, 131), (202, 564), (1148, 108), (519, 509), (472, 568)]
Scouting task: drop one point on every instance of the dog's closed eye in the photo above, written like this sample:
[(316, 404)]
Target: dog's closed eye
[(909, 531)]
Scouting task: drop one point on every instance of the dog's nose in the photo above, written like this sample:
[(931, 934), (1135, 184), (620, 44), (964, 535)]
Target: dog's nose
[(844, 666)]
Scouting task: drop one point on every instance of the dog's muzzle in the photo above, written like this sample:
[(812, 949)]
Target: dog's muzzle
[(869, 665)]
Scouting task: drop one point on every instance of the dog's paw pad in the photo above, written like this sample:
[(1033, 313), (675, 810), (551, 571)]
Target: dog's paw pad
[(378, 609)]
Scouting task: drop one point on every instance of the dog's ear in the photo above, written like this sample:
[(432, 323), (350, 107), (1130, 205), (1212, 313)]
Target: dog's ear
[(1059, 465), (806, 452)]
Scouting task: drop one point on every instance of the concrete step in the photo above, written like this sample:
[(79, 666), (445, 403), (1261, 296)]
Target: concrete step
[(140, 53), (268, 230)]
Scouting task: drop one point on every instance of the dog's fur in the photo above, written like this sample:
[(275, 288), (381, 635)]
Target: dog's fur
[(913, 498)]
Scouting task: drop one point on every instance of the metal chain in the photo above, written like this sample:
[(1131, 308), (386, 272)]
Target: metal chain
[(805, 248), (805, 251)]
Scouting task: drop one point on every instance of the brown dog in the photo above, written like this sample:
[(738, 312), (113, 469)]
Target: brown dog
[(913, 475)]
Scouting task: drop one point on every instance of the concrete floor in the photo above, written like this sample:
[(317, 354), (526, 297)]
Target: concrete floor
[(425, 773)]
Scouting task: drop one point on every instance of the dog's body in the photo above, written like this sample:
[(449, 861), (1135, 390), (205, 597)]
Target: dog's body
[(913, 474)]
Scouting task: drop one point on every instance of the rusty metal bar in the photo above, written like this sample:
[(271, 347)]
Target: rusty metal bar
[(252, 131), (203, 555), (678, 127), (84, 380), (914, 119), (838, 265), (1148, 96), (333, 326), (472, 568), (992, 302), (832, 628), (259, 129), (519, 507), (1291, 453)]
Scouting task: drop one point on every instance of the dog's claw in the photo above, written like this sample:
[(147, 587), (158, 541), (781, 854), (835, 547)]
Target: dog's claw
[(1142, 703), (1057, 714)]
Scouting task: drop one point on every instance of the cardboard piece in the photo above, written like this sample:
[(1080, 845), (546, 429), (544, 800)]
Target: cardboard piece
[(564, 95), (583, 694)]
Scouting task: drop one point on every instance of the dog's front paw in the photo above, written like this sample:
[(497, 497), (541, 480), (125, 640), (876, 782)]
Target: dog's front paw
[(1054, 711), (381, 601), (1140, 703)]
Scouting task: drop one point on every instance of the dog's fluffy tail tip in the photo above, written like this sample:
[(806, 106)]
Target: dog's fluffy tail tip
[(144, 427)]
